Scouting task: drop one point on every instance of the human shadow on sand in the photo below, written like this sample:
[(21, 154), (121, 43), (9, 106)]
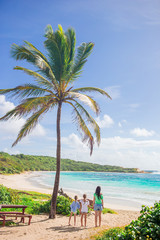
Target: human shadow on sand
[(65, 229)]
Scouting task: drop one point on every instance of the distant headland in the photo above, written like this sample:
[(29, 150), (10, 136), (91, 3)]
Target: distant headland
[(11, 164)]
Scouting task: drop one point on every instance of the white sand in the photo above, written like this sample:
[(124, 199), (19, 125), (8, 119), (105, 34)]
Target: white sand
[(43, 228)]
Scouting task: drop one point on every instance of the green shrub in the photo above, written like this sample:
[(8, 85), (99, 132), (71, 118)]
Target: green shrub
[(63, 205), (111, 234), (4, 195), (36, 202), (147, 226)]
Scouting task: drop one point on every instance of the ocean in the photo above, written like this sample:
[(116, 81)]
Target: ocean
[(123, 190)]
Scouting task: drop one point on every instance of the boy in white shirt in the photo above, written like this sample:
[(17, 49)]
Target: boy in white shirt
[(84, 203)]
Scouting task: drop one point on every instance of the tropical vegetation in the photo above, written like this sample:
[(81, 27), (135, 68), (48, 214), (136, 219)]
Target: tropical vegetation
[(54, 81), (10, 164), (146, 227), (37, 203)]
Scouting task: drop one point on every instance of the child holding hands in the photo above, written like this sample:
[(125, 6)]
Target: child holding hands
[(84, 203), (74, 206)]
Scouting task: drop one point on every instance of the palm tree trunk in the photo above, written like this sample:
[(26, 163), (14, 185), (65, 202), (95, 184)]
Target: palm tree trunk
[(58, 155)]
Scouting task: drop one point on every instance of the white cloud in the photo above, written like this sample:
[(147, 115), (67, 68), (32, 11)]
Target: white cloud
[(106, 122), (38, 131), (142, 132), (73, 141), (113, 91), (5, 106), (126, 152)]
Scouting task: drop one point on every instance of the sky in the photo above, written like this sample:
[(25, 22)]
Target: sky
[(125, 62)]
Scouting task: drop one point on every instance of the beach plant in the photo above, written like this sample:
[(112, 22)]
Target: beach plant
[(110, 234), (108, 210), (146, 227), (37, 203), (54, 77), (4, 195)]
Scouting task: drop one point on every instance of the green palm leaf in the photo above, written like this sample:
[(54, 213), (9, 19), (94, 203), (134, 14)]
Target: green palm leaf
[(82, 53), (89, 119), (25, 91), (40, 79), (25, 53), (87, 136), (30, 124), (85, 99), (28, 106), (92, 89)]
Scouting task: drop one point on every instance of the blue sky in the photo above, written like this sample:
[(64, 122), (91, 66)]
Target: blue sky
[(125, 62)]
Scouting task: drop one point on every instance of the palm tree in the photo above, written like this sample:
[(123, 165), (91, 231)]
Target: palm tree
[(54, 77)]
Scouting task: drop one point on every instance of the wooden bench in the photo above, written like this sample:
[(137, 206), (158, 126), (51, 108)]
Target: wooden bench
[(15, 214), (3, 215)]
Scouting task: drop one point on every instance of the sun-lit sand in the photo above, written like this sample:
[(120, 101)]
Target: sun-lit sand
[(43, 228)]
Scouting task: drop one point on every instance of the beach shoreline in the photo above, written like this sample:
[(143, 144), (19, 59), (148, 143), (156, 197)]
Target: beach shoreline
[(24, 182)]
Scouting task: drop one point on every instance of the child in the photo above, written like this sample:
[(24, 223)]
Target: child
[(84, 209), (74, 206)]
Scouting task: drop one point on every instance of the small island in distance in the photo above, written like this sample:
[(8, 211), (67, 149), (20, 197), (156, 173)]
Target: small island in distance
[(11, 164)]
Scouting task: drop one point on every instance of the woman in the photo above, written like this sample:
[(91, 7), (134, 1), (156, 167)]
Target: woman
[(98, 205)]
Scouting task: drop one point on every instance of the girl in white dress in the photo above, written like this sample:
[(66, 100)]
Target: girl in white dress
[(84, 203)]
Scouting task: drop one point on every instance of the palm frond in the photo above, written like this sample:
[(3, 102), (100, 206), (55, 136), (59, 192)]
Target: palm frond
[(48, 31), (40, 79), (25, 91), (83, 52), (61, 48), (54, 58), (85, 99), (22, 53), (34, 50), (30, 125), (29, 105), (90, 120), (71, 39), (92, 89), (34, 57), (87, 136)]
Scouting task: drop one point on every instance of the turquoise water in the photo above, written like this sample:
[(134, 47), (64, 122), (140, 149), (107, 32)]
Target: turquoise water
[(128, 188)]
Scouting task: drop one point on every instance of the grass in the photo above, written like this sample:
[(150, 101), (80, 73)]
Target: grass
[(108, 210), (110, 234)]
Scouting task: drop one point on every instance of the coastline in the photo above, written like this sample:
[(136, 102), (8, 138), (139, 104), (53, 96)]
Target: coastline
[(43, 228), (24, 182)]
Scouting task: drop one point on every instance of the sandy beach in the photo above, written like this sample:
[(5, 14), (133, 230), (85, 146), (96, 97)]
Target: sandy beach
[(44, 228)]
